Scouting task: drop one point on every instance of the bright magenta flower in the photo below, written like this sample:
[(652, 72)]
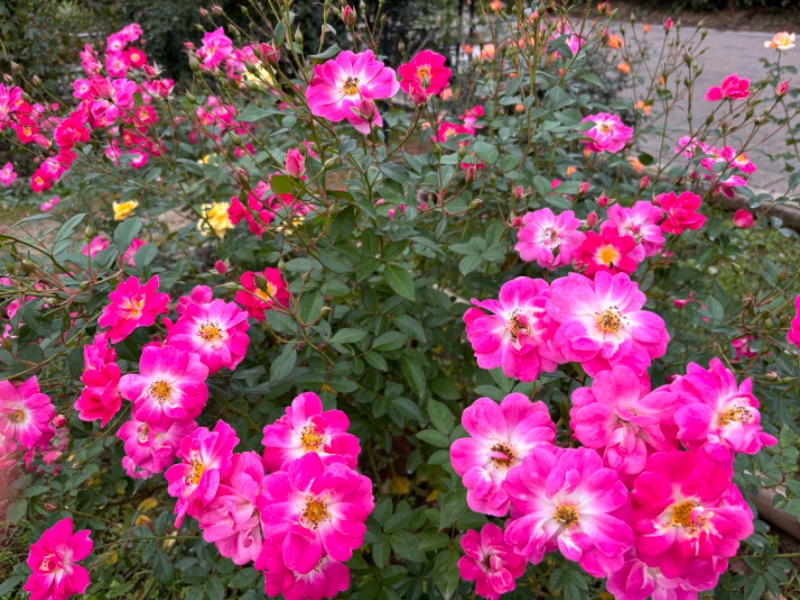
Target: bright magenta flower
[(543, 234), (149, 449), (609, 133), (325, 580), (425, 73), (132, 305), (100, 397), (231, 520), (25, 413), (638, 581), (170, 385), (688, 517), (732, 88), (681, 212), (258, 298), (622, 419), (216, 331), (216, 48), (489, 562), (601, 324), (517, 334), (717, 414), (501, 437), (207, 458), (641, 222), (608, 252), (564, 499), (743, 219), (53, 561), (307, 428), (7, 174), (345, 88), (311, 510), (793, 335)]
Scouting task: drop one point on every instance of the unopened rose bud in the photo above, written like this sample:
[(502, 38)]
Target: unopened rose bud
[(261, 282), (644, 182), (475, 204), (330, 163), (603, 201), (772, 376), (217, 9), (49, 506), (349, 16), (295, 164), (242, 177), (591, 219), (194, 64), (298, 37), (59, 420), (189, 46), (51, 457), (782, 89), (236, 140), (28, 267), (8, 78), (36, 80), (462, 151), (668, 24), (583, 187), (519, 192), (306, 277), (14, 67), (517, 222), (221, 267), (418, 95), (203, 12), (437, 150)]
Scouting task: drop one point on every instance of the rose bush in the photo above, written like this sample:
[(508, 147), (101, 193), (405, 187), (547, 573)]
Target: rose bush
[(320, 324)]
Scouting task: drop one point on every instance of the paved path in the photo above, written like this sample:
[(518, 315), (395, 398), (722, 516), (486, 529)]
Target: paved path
[(732, 52)]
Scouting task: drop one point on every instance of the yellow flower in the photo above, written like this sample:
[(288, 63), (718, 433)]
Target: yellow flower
[(214, 219), (781, 41), (123, 210)]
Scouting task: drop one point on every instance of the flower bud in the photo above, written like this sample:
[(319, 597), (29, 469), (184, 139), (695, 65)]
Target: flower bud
[(8, 78), (668, 24), (242, 177), (591, 219), (298, 37), (217, 9), (36, 80), (261, 282), (28, 267), (14, 66), (221, 267), (203, 12), (519, 192), (782, 89), (295, 163), (583, 187), (603, 201), (644, 182), (59, 421), (306, 277), (349, 16), (517, 222), (418, 94), (772, 376), (437, 150), (475, 204), (462, 151)]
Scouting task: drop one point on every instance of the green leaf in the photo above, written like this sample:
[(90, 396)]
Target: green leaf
[(16, 511), (163, 570), (445, 573), (343, 224), (435, 438), (453, 505), (323, 56), (253, 113), (395, 172), (486, 152), (9, 584), (347, 335), (282, 366), (391, 340), (441, 417), (406, 545), (126, 231), (214, 588), (281, 184), (755, 588), (145, 255), (65, 232), (400, 281)]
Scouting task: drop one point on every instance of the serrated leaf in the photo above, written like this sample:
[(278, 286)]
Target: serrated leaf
[(282, 366), (445, 573), (126, 232), (347, 335), (163, 570), (453, 505), (400, 281), (441, 417)]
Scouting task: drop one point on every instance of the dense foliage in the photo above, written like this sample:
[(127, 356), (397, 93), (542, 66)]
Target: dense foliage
[(249, 306)]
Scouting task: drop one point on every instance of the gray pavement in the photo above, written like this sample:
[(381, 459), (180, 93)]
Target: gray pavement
[(729, 52)]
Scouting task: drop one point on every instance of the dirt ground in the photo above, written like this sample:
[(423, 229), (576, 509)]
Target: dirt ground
[(756, 19)]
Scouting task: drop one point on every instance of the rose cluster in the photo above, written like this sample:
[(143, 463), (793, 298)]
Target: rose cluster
[(648, 501)]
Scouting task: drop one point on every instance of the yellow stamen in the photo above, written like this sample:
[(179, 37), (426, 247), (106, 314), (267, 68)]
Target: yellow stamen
[(315, 512), (209, 331), (312, 440), (16, 416), (350, 86), (566, 515), (611, 320), (160, 390)]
